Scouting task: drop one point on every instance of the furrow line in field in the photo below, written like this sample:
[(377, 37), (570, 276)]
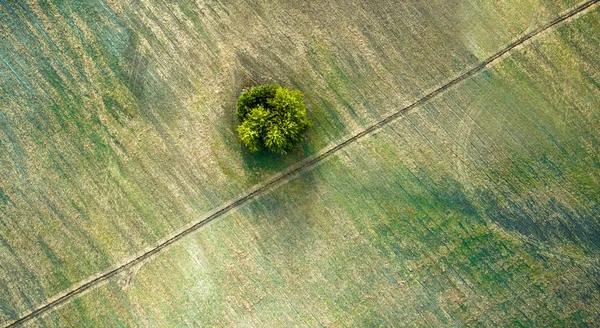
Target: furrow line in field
[(287, 174)]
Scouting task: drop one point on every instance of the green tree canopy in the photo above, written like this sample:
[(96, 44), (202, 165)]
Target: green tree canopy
[(272, 118)]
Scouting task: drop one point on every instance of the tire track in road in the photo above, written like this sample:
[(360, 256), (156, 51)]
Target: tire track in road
[(287, 174)]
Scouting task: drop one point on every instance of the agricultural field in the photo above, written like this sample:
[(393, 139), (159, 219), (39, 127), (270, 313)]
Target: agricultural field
[(478, 206)]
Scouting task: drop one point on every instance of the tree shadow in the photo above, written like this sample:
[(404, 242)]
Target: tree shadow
[(266, 161)]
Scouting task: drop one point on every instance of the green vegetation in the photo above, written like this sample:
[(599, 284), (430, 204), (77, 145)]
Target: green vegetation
[(478, 208), (272, 117)]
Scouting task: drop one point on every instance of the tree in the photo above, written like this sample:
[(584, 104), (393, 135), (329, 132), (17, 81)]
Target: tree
[(271, 117)]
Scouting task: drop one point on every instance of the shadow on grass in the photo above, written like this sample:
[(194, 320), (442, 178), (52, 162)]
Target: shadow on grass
[(266, 161)]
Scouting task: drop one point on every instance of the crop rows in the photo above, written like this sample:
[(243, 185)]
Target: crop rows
[(477, 207)]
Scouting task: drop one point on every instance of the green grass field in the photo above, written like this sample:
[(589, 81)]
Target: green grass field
[(478, 208)]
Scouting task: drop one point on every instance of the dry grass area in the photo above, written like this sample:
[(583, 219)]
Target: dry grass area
[(478, 208)]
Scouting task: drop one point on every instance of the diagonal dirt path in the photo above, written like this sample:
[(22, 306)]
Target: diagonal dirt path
[(288, 173)]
